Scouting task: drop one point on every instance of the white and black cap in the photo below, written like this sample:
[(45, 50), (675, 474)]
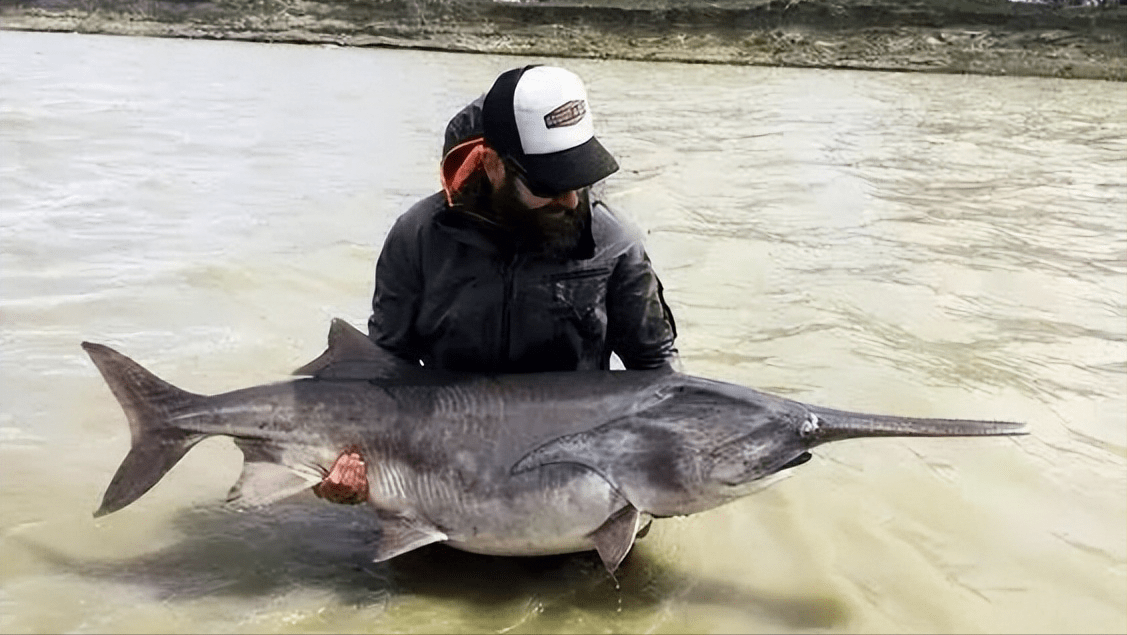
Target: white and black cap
[(538, 118)]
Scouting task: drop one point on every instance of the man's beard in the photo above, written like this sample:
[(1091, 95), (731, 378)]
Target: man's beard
[(553, 230)]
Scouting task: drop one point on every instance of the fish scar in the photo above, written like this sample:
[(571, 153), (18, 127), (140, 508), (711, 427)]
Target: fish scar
[(346, 482)]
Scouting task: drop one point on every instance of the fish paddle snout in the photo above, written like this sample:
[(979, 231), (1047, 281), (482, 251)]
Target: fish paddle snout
[(825, 425)]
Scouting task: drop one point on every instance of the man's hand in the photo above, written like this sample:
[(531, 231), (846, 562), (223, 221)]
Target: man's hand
[(347, 481)]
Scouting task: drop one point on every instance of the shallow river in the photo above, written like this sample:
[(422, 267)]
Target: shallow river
[(923, 245)]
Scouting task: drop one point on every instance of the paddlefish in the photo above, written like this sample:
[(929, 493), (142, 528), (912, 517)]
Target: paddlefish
[(506, 464)]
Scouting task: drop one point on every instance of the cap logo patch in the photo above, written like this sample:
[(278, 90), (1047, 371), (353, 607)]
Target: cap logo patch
[(568, 114)]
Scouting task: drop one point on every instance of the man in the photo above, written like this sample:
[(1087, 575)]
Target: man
[(516, 266)]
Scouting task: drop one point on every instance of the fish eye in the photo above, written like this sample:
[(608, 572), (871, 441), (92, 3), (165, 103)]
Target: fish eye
[(810, 426)]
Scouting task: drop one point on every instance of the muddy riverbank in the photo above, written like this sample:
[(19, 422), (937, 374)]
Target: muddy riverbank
[(994, 37)]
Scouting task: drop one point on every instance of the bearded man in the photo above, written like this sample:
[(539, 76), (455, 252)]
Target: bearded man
[(517, 266)]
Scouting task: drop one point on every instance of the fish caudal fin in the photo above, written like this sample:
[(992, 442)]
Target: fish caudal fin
[(149, 403)]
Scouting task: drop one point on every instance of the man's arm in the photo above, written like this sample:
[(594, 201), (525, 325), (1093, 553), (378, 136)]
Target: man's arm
[(640, 326), (346, 482), (398, 292)]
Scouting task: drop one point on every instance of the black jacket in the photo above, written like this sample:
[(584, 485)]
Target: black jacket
[(451, 295)]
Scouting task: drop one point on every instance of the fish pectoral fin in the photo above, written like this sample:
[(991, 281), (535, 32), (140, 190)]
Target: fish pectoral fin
[(401, 532), (262, 483), (614, 538)]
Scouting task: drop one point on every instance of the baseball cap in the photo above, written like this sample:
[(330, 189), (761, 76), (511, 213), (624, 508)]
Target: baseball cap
[(538, 118)]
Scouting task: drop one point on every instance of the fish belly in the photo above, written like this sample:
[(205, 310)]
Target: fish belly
[(537, 515)]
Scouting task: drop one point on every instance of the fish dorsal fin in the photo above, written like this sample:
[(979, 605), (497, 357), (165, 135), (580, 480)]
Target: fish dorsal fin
[(614, 537), (351, 355)]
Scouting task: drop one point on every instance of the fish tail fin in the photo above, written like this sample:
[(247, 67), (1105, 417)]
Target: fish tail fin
[(149, 403)]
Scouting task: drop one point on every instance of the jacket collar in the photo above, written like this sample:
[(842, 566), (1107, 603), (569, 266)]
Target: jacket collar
[(483, 233)]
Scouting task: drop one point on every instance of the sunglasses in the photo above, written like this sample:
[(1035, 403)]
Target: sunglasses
[(534, 188)]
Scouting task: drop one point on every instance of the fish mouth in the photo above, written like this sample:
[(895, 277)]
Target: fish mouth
[(796, 461)]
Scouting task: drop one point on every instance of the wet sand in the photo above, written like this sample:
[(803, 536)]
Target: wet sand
[(989, 37)]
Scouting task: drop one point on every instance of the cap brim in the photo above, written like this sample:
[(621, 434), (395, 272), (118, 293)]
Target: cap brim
[(571, 169)]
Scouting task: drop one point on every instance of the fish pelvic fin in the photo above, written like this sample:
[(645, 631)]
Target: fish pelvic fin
[(402, 531), (150, 403)]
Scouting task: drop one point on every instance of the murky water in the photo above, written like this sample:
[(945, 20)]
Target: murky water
[(919, 245)]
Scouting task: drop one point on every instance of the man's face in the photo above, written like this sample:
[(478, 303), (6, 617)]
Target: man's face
[(552, 224)]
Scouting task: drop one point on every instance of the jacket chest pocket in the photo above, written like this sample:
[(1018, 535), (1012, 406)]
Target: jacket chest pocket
[(580, 297)]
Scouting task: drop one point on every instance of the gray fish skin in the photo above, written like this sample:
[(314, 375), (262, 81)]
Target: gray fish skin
[(530, 464)]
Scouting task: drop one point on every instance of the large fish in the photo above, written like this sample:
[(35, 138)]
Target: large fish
[(529, 464)]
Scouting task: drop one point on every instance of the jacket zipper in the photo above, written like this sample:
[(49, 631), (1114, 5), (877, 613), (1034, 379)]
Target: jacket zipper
[(507, 275)]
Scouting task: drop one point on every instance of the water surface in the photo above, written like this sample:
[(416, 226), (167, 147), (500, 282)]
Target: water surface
[(923, 245)]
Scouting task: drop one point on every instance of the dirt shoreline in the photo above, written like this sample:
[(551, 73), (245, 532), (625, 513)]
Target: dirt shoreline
[(990, 37)]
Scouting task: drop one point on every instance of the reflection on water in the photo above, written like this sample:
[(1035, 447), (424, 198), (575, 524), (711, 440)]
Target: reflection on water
[(925, 245), (311, 549)]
